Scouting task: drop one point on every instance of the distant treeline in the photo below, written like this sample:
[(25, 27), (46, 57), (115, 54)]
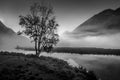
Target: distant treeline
[(25, 48), (96, 51)]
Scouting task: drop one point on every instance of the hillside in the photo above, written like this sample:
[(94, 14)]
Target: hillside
[(103, 23), (17, 66), (9, 39), (5, 30)]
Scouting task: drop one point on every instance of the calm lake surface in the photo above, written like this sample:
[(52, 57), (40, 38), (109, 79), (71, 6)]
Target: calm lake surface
[(105, 67)]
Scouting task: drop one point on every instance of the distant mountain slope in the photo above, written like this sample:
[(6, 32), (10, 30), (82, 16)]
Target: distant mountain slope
[(105, 22), (9, 39), (5, 30)]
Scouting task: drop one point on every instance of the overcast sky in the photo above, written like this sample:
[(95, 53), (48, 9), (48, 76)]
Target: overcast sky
[(69, 13)]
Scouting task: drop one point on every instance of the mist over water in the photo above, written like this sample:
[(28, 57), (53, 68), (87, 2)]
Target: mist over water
[(105, 67), (99, 41)]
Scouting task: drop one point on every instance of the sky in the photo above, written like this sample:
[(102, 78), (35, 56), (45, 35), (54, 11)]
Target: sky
[(69, 13)]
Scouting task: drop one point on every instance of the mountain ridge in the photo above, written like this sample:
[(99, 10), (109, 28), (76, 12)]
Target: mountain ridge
[(105, 22), (5, 30), (10, 40)]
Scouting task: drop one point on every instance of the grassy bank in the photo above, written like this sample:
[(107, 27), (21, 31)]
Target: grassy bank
[(17, 66)]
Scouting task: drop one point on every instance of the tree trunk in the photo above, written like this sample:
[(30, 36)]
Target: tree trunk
[(39, 49), (36, 49)]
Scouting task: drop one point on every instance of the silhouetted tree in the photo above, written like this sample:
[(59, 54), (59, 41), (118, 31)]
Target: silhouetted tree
[(40, 25)]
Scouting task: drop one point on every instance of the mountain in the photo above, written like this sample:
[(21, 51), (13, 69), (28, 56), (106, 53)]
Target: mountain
[(9, 39), (5, 30), (105, 22)]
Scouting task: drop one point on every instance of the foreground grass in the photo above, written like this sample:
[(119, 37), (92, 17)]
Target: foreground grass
[(18, 66)]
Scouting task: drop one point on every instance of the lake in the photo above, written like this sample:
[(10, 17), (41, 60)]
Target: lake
[(105, 67)]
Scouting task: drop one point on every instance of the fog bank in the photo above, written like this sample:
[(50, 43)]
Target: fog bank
[(99, 41)]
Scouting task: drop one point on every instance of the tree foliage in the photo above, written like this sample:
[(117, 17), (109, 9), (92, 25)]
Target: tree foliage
[(41, 26)]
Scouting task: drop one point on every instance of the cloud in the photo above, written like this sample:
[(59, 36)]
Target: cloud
[(100, 41)]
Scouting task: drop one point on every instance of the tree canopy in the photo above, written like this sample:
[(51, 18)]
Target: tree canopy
[(41, 26)]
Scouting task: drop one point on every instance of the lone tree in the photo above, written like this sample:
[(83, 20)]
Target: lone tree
[(40, 25)]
